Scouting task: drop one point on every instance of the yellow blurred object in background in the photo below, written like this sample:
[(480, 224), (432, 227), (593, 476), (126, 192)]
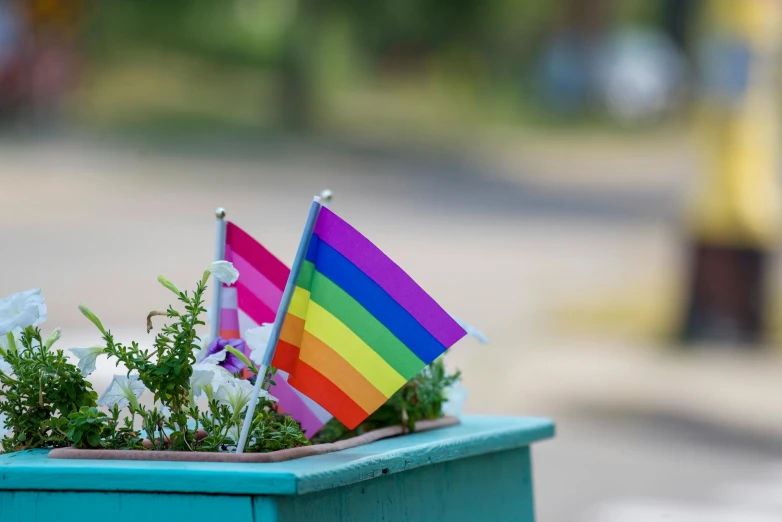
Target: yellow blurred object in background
[(739, 204)]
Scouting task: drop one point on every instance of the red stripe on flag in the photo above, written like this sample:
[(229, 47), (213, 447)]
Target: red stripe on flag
[(243, 244), (286, 357), (318, 388)]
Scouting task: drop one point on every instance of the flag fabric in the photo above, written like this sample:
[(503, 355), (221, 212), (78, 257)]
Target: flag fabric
[(252, 301), (358, 327)]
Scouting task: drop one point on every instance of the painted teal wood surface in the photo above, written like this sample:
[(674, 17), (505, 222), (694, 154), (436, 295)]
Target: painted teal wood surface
[(464, 471), (51, 506), (496, 487)]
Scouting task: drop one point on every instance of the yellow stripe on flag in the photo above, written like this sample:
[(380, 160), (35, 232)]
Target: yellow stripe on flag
[(350, 347), (299, 303)]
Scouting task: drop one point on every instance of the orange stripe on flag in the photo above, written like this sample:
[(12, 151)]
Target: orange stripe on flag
[(292, 330), (312, 384), (327, 362), (230, 334)]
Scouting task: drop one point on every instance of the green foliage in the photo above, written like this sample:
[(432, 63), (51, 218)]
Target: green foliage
[(272, 431), (87, 427), (166, 371), (420, 399), (39, 394), (168, 376)]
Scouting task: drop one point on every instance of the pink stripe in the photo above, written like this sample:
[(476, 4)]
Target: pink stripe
[(292, 404), (254, 280), (264, 261), (388, 275), (229, 319), (252, 306)]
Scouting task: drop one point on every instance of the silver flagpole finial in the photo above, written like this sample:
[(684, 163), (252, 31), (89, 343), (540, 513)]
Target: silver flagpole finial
[(220, 213), (326, 196)]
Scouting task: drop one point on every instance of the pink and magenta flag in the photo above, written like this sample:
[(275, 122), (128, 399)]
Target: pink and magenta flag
[(252, 301)]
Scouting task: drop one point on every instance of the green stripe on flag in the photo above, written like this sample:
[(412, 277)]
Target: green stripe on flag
[(342, 306), (305, 276)]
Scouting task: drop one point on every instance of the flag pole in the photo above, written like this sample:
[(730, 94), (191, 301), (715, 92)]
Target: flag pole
[(214, 321), (282, 311)]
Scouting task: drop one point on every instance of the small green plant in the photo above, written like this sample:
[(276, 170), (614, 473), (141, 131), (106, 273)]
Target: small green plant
[(40, 388), (87, 427), (420, 399), (179, 374)]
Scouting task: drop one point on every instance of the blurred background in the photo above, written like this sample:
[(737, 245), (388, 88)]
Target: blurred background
[(592, 184)]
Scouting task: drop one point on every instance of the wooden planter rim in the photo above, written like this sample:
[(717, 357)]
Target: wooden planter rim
[(275, 456)]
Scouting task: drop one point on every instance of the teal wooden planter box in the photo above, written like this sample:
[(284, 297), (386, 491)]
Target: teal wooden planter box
[(479, 470)]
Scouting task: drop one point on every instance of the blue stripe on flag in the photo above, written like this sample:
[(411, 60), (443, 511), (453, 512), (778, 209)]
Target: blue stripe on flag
[(371, 296)]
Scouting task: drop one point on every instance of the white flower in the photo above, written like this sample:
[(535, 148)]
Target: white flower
[(224, 272), (201, 378), (122, 391), (87, 358), (198, 382), (234, 393), (258, 339), (215, 358), (22, 310), (200, 353)]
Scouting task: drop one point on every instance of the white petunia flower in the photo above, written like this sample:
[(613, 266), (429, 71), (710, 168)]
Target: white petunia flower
[(258, 339), (87, 357), (215, 358), (234, 393), (122, 391), (202, 352), (22, 310), (218, 376), (202, 377), (224, 272)]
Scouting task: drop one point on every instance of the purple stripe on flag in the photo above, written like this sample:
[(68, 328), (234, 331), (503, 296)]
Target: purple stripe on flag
[(254, 280), (252, 306), (388, 275), (229, 319), (292, 403), (264, 261)]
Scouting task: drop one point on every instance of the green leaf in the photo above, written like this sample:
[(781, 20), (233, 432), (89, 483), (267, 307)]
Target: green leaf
[(242, 357)]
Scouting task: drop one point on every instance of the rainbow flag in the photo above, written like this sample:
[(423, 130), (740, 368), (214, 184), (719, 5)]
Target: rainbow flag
[(358, 327), (252, 301)]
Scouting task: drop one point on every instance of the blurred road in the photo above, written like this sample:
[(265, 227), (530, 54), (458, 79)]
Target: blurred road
[(571, 281)]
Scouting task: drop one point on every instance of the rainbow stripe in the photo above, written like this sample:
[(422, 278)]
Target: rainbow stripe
[(358, 327), (252, 301)]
